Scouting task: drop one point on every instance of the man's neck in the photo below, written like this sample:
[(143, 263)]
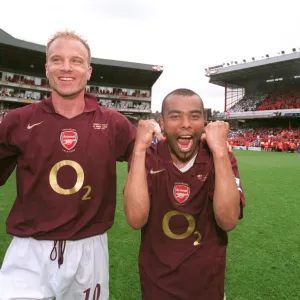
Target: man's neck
[(68, 107)]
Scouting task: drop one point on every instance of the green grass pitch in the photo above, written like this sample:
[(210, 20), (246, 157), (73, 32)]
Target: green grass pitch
[(263, 261)]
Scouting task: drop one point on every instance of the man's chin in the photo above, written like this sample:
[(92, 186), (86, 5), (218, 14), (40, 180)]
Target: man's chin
[(185, 156)]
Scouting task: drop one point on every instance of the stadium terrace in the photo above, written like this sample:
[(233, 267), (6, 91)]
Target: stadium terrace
[(262, 101)]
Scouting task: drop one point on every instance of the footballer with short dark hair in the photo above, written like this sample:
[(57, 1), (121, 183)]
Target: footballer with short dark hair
[(185, 195)]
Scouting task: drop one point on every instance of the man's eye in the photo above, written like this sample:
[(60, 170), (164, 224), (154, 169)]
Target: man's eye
[(77, 61)]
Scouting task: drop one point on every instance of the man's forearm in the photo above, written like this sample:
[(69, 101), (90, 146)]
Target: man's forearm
[(226, 202), (136, 196)]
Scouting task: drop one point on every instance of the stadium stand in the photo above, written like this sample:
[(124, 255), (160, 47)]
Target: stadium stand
[(281, 100), (273, 101), (262, 102), (248, 102)]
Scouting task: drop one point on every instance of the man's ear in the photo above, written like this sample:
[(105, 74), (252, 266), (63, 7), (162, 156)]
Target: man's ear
[(161, 124)]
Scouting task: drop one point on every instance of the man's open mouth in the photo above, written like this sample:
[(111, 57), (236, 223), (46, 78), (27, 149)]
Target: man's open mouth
[(185, 143)]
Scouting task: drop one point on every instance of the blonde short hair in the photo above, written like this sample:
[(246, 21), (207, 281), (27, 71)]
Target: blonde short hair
[(67, 34)]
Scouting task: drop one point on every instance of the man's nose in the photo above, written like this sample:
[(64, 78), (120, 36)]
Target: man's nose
[(66, 66), (185, 122)]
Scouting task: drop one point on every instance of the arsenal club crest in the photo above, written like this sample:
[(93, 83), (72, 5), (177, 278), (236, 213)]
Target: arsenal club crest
[(68, 139), (181, 192)]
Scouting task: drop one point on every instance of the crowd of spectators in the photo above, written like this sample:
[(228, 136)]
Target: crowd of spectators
[(279, 100), (273, 101), (118, 92), (116, 104), (22, 94), (248, 102), (26, 80), (269, 139)]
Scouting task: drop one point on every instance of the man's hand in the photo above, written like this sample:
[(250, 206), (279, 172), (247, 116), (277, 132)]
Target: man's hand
[(216, 135), (229, 147), (146, 131)]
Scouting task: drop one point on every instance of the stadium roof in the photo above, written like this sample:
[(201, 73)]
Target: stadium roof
[(273, 67), (22, 55)]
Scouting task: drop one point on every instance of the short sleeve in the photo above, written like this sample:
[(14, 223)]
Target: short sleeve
[(8, 152), (125, 138)]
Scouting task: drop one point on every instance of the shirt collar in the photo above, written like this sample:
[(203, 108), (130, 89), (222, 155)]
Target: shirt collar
[(91, 104)]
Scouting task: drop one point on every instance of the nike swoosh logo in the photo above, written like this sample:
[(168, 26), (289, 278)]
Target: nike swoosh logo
[(155, 172), (33, 125)]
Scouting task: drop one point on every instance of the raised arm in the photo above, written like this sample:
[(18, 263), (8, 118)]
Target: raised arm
[(8, 151), (226, 199), (136, 192)]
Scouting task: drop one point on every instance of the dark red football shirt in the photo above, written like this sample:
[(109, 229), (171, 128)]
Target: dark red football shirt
[(66, 169), (183, 251)]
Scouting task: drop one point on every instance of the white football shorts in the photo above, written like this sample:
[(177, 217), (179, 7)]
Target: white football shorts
[(29, 273)]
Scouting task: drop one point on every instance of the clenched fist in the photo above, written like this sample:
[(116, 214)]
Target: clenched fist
[(146, 131), (216, 136)]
